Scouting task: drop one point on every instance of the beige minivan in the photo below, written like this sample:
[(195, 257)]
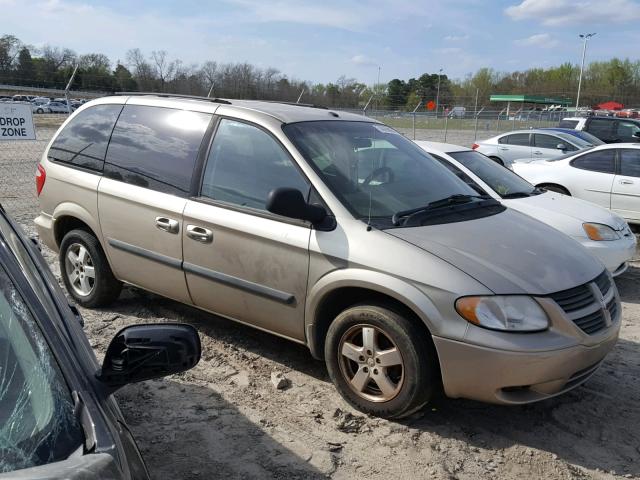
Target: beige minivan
[(329, 229)]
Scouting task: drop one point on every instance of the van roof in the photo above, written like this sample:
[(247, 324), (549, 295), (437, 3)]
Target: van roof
[(283, 111)]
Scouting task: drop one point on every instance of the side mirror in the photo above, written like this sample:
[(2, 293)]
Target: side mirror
[(289, 202), (143, 352), (561, 146), (636, 134)]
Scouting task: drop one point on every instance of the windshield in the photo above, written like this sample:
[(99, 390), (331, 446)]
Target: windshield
[(37, 425), (574, 140), (501, 180), (591, 139), (373, 169)]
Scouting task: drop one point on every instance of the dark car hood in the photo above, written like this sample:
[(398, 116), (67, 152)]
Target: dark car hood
[(509, 253)]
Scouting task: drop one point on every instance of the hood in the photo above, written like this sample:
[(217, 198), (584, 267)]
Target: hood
[(509, 253), (553, 209)]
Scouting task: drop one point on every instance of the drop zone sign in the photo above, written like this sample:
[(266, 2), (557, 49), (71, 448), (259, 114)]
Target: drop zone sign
[(16, 122)]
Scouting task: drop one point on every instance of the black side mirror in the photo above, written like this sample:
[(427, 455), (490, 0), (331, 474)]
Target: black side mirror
[(143, 352), (289, 202), (561, 146), (636, 134)]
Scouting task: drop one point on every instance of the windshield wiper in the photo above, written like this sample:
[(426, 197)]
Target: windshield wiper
[(456, 199)]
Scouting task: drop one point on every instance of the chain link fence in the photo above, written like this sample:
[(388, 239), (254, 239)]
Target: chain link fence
[(18, 163)]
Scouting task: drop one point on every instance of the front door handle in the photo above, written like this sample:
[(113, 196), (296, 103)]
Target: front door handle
[(625, 181), (503, 148), (537, 152), (167, 224), (199, 234)]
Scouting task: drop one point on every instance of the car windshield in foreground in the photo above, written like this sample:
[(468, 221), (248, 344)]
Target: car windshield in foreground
[(501, 180), (374, 170), (567, 155), (37, 424)]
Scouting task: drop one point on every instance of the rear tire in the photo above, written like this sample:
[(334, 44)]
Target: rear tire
[(380, 362), (556, 189), (85, 270)]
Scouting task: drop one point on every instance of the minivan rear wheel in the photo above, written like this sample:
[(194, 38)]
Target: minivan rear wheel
[(85, 270), (380, 362)]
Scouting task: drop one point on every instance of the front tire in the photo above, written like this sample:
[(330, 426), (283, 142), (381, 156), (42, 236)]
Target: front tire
[(85, 270), (380, 362)]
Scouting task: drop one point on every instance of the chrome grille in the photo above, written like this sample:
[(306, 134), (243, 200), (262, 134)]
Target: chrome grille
[(584, 298), (592, 323), (603, 282), (574, 298)]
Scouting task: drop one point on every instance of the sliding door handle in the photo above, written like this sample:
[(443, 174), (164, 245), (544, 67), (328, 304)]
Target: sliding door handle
[(199, 234)]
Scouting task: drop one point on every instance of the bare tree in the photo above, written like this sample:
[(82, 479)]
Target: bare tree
[(57, 57), (164, 68)]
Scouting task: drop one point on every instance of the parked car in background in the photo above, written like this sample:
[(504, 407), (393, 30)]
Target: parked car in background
[(57, 107), (457, 112), (20, 98), (58, 416), (627, 113), (606, 235), (526, 145), (40, 108), (40, 100), (330, 229), (607, 129), (607, 175)]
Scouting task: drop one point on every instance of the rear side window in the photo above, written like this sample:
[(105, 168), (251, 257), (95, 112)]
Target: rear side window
[(568, 123), (547, 141), (601, 161), (630, 162), (83, 141), (600, 128), (156, 147), (521, 139)]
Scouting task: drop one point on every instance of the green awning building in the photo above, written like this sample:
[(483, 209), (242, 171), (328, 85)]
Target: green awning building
[(536, 99)]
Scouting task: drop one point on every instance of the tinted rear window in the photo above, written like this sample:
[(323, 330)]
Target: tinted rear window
[(521, 139), (83, 141), (602, 161), (156, 147)]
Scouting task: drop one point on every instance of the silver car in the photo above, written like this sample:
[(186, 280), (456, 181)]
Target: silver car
[(527, 145), (331, 230)]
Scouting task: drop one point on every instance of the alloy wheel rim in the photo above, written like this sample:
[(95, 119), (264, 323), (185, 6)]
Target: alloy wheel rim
[(80, 270), (371, 363)]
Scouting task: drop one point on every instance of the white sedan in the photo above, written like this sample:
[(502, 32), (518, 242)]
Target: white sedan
[(603, 233), (608, 175)]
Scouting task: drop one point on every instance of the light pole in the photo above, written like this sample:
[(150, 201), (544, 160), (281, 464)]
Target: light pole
[(585, 37), (438, 94)]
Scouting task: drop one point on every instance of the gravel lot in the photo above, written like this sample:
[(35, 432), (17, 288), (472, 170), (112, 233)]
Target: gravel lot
[(225, 418)]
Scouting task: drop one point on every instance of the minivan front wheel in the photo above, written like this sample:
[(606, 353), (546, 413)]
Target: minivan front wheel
[(381, 363), (85, 270)]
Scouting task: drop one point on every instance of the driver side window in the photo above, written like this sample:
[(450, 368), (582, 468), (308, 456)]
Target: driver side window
[(245, 163)]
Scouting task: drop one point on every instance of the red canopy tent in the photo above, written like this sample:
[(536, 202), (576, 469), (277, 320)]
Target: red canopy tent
[(610, 106)]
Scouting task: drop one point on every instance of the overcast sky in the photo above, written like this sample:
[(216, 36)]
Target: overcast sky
[(323, 39)]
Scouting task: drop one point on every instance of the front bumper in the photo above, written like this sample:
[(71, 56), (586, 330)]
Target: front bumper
[(614, 254), (511, 377)]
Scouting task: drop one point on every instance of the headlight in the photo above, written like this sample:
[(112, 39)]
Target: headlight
[(515, 313), (598, 231)]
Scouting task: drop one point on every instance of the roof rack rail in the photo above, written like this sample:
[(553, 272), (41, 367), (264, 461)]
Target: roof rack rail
[(310, 105), (176, 95)]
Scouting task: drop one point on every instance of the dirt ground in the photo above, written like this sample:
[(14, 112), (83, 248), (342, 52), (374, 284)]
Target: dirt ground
[(225, 419)]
